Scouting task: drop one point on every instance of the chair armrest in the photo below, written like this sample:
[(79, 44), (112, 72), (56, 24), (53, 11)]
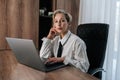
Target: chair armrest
[(97, 70)]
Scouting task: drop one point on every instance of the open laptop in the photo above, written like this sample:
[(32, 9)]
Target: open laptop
[(26, 53)]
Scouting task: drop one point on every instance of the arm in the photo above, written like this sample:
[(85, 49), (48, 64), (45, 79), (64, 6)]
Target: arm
[(78, 57), (46, 48), (47, 45)]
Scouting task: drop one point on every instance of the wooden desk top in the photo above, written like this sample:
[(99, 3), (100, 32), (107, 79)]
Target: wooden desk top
[(68, 73), (10, 69)]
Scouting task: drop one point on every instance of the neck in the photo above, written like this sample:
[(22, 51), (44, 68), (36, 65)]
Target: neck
[(63, 34)]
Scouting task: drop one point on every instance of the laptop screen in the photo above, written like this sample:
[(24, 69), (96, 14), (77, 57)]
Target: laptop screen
[(25, 52)]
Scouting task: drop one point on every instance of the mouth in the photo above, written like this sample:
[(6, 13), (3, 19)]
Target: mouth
[(59, 28)]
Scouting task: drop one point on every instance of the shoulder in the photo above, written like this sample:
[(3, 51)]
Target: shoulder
[(76, 38), (78, 42)]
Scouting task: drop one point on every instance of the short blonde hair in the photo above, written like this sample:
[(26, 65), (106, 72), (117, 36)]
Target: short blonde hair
[(67, 15)]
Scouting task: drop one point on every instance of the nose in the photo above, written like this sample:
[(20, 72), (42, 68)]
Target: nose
[(59, 23)]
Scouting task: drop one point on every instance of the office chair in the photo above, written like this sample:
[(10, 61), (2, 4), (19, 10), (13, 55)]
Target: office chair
[(95, 36)]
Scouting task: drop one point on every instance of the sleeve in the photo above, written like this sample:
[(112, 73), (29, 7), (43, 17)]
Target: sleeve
[(46, 48), (78, 57)]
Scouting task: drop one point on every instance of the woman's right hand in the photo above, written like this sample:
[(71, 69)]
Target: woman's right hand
[(54, 60), (52, 33)]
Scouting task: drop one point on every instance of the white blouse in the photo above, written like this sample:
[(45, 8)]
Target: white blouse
[(74, 50)]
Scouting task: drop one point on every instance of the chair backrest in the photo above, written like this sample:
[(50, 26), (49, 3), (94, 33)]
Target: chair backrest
[(95, 36)]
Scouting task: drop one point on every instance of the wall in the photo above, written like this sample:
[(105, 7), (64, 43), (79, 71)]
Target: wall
[(18, 18), (72, 6)]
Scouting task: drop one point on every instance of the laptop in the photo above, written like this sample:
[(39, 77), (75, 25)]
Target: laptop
[(26, 53)]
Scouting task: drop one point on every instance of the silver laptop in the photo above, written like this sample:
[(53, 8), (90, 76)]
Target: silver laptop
[(26, 53)]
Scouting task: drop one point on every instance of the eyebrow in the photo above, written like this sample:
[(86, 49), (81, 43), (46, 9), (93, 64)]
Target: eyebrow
[(60, 18)]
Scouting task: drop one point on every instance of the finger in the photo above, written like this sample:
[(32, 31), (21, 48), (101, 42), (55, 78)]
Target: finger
[(48, 60)]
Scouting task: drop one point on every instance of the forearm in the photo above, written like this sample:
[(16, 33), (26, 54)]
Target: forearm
[(80, 64), (46, 48)]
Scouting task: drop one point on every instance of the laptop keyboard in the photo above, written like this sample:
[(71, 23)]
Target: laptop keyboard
[(53, 64)]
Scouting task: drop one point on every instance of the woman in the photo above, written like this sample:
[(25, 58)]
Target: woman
[(73, 48)]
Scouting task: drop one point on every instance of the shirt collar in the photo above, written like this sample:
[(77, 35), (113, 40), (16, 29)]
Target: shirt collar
[(65, 38)]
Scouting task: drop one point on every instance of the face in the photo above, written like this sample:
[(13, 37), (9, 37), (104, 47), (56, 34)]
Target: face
[(60, 23)]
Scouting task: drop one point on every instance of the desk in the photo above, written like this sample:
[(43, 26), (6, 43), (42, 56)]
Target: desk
[(68, 73), (10, 69)]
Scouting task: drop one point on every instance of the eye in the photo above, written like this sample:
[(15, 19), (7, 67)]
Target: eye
[(55, 21), (63, 20)]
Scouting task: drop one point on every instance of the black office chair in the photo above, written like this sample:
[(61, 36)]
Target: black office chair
[(95, 36)]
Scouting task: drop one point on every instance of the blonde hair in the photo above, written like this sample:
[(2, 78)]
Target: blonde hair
[(67, 15)]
